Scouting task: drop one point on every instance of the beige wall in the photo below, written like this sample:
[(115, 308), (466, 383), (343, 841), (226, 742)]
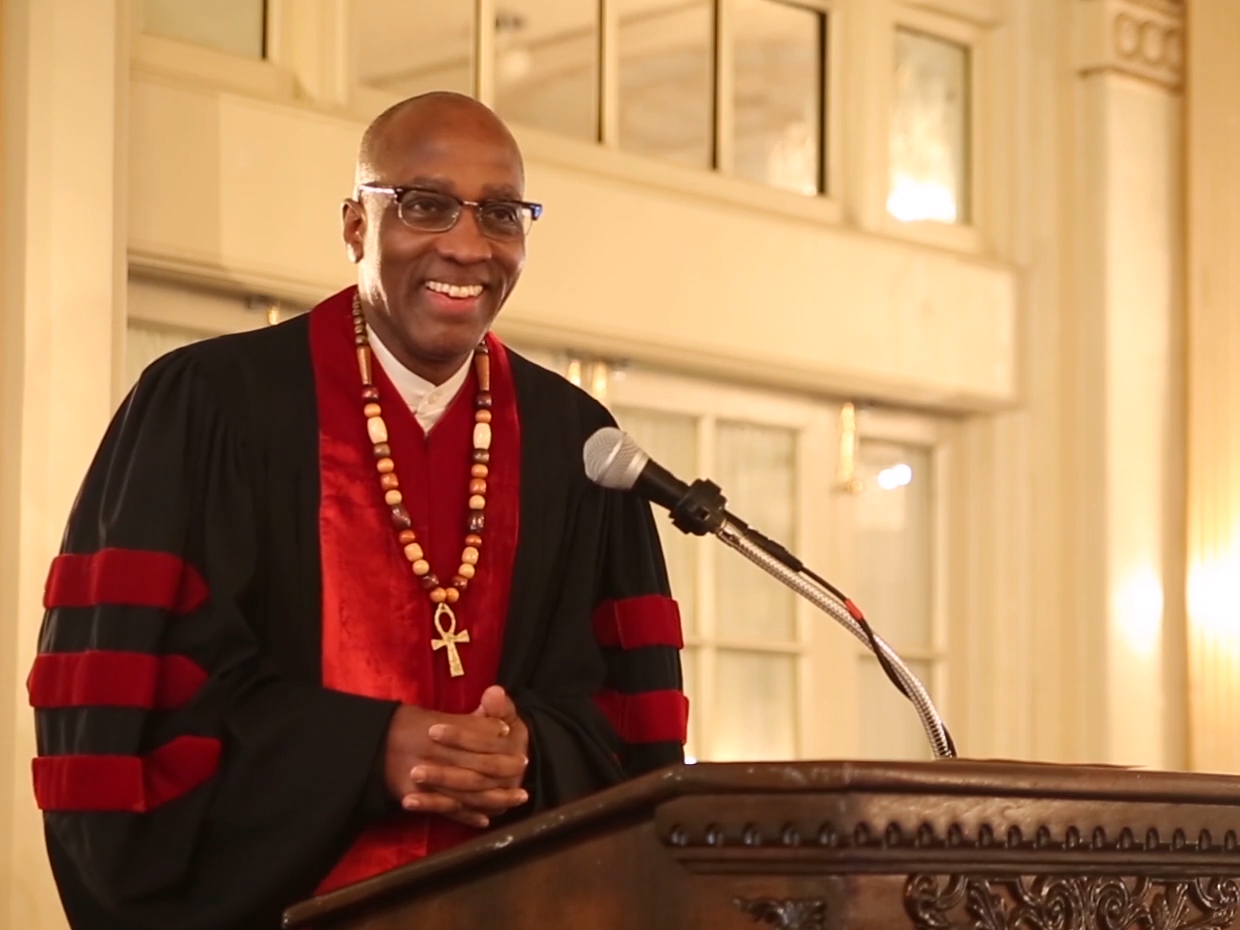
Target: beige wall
[(63, 303), (1213, 154)]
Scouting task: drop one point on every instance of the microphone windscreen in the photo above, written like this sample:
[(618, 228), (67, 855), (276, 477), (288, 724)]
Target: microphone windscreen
[(612, 459)]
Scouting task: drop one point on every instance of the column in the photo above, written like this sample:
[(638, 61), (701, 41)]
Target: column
[(62, 271), (1213, 154), (1124, 342)]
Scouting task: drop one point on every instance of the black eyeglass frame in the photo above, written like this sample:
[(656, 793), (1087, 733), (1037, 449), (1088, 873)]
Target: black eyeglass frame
[(398, 193)]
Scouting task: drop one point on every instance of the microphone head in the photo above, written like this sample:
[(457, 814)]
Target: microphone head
[(613, 459)]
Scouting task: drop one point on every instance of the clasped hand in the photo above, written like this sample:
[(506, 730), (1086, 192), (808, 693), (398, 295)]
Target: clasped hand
[(467, 767)]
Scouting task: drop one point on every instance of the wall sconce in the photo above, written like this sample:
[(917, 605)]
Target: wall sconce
[(846, 476)]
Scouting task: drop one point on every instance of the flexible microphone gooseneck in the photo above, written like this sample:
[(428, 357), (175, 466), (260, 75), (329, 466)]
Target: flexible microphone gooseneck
[(614, 460)]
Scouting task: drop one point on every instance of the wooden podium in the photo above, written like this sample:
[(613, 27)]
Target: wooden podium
[(953, 845)]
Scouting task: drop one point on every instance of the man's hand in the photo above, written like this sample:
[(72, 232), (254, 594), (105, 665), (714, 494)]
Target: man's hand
[(471, 775)]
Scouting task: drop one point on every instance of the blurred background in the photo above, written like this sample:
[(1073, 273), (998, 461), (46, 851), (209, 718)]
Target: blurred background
[(945, 294)]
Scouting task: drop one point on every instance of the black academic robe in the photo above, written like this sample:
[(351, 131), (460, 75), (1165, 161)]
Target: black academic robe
[(193, 770)]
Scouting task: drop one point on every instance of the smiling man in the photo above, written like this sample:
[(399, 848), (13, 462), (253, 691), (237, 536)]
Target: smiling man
[(337, 594)]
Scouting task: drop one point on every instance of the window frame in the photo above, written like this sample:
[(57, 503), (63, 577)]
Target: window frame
[(977, 40)]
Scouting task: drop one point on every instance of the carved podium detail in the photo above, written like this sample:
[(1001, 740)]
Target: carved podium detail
[(1071, 903), (805, 914)]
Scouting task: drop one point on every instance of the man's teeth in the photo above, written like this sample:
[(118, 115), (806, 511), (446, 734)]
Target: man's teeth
[(459, 291)]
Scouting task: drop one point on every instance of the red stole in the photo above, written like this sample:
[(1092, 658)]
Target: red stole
[(377, 620)]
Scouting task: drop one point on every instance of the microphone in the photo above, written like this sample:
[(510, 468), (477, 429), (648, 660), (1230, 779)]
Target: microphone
[(614, 460)]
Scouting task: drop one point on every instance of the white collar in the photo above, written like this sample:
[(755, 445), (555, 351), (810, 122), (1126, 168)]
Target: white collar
[(427, 401)]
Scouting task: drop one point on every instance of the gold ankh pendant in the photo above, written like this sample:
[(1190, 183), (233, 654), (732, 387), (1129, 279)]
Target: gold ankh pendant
[(449, 637)]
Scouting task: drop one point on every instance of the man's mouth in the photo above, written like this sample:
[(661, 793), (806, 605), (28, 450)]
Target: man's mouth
[(457, 291)]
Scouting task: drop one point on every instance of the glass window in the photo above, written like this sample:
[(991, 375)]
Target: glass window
[(756, 466), (929, 130), (755, 697), (777, 102), (666, 77), (896, 589), (235, 26), (411, 48), (671, 440), (546, 66)]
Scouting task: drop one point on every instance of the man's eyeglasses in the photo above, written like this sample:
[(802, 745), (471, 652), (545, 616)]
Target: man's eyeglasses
[(435, 211)]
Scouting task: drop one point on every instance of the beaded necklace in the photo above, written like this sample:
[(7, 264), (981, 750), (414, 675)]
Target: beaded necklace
[(442, 596)]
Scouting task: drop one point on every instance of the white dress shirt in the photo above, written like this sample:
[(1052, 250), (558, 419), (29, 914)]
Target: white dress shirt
[(427, 401)]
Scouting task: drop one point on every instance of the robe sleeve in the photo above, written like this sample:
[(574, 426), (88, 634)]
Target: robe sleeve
[(609, 702), (185, 781)]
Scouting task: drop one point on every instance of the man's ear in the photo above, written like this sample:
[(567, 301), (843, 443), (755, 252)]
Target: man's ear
[(353, 229)]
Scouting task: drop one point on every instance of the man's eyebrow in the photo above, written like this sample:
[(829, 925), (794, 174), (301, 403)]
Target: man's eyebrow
[(490, 191), (502, 192)]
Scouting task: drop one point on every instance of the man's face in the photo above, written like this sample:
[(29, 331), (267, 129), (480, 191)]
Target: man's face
[(436, 293)]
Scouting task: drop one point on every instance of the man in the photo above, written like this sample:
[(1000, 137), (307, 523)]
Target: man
[(337, 594)]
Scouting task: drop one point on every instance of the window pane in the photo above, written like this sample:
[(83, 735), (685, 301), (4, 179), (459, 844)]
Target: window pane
[(929, 130), (234, 26), (756, 467), (546, 71), (671, 440), (895, 543), (889, 725), (778, 94), (411, 48), (667, 80), (755, 707)]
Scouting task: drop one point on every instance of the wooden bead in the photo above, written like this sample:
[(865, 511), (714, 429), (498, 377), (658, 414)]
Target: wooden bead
[(466, 571), (421, 567), (482, 367), (460, 583), (386, 466), (363, 362), (477, 486), (482, 456), (406, 537), (483, 401), (470, 556), (377, 429), (482, 435), (438, 595), (430, 581), (477, 523), (482, 416), (413, 552), (389, 481), (476, 502), (400, 518), (370, 393), (479, 471), (482, 348), (393, 497), (473, 540), (453, 594), (382, 450), (372, 410)]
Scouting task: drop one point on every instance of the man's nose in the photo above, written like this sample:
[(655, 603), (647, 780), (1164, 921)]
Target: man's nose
[(464, 242)]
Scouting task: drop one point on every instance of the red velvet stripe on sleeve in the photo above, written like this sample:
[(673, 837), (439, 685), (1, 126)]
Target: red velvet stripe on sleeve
[(129, 577), (113, 679), (634, 622), (647, 717), (125, 783)]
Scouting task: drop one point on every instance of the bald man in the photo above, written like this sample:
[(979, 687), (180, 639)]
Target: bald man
[(336, 595)]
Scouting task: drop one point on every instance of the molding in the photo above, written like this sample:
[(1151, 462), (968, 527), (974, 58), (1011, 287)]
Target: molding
[(1138, 38), (1054, 902)]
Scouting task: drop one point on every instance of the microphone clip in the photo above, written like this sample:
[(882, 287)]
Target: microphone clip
[(701, 510)]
